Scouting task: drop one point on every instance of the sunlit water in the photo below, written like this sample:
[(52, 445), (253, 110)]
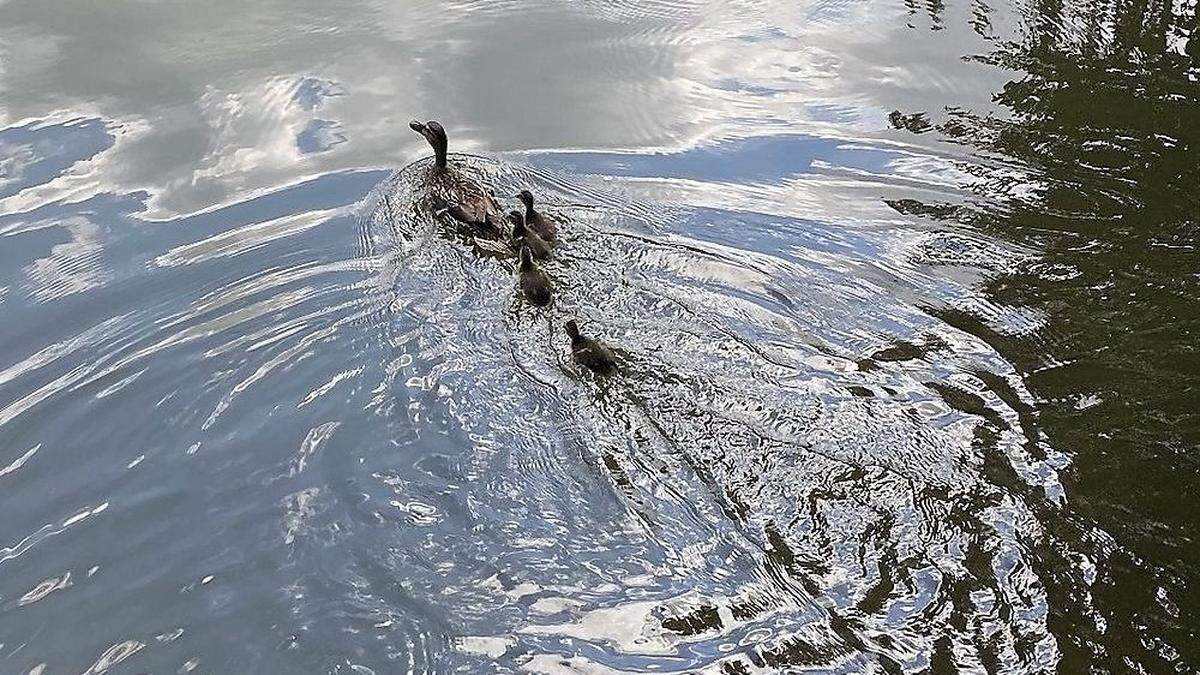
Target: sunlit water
[(876, 410)]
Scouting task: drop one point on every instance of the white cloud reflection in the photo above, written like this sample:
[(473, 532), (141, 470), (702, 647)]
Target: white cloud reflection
[(208, 111)]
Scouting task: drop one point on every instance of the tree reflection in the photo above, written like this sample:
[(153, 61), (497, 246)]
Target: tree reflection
[(1105, 125)]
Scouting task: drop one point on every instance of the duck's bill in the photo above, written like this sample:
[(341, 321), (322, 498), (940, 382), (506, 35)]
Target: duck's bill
[(417, 126)]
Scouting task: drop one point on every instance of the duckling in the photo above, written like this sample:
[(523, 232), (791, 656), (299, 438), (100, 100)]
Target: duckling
[(543, 226), (535, 285), (523, 236), (589, 352), (452, 192)]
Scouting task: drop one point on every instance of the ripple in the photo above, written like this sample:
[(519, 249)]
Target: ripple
[(795, 468), (72, 267), (325, 445), (114, 655), (246, 238), (20, 461), (729, 423)]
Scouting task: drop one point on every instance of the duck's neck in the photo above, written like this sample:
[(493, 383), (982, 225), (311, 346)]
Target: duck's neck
[(439, 155), (529, 212)]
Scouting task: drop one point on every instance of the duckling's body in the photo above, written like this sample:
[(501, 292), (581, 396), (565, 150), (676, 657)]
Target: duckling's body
[(589, 352), (450, 192), (523, 236), (537, 221), (535, 285)]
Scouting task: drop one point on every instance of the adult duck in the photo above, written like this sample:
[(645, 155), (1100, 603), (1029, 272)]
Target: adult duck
[(449, 191)]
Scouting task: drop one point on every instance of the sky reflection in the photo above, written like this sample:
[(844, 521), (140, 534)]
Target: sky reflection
[(204, 111)]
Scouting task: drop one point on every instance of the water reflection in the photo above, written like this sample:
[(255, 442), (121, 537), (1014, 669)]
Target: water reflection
[(193, 130), (254, 422), (1105, 117)]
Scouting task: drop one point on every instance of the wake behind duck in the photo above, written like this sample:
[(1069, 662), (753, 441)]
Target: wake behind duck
[(449, 195)]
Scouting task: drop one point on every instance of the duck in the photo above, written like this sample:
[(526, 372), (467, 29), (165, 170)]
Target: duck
[(450, 192), (589, 352), (535, 221), (523, 236), (535, 285)]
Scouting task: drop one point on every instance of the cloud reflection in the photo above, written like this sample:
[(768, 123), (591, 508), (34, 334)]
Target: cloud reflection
[(205, 113)]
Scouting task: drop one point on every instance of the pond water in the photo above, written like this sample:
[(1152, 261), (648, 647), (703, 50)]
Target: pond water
[(904, 295)]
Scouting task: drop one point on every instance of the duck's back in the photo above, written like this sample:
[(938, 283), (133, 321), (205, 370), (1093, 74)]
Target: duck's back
[(469, 200), (540, 249), (544, 227), (535, 285), (595, 356)]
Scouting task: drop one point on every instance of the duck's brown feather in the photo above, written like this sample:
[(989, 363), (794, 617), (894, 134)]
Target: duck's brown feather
[(451, 193)]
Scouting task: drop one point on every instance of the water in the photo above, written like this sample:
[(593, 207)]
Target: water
[(905, 296)]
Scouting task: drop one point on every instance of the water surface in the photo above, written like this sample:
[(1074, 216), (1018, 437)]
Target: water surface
[(905, 296)]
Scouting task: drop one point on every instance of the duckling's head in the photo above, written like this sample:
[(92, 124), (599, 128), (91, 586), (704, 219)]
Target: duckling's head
[(435, 135), (526, 258), (573, 330), (517, 219), (526, 198)]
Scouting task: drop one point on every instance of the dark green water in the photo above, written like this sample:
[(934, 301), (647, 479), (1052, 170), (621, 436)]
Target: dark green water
[(1105, 111), (908, 295)]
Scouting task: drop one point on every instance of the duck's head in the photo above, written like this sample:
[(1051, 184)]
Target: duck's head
[(517, 219), (573, 330), (526, 258), (526, 198), (435, 135)]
